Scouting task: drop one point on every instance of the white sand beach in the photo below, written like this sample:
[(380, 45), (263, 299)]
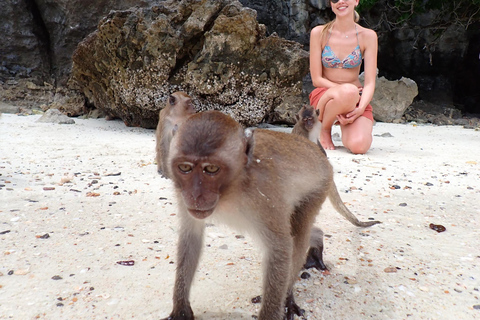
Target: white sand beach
[(77, 199)]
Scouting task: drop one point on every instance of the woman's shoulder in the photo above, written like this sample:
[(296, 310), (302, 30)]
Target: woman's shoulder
[(318, 29), (367, 33)]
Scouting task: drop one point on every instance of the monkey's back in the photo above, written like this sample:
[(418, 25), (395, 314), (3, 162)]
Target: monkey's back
[(288, 162)]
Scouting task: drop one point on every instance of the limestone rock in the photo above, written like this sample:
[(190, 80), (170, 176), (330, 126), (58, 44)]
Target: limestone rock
[(8, 108), (69, 102), (286, 112), (55, 116), (392, 98), (214, 50)]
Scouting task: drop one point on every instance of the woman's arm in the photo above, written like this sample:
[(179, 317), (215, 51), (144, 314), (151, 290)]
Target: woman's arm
[(370, 68), (370, 71), (316, 59)]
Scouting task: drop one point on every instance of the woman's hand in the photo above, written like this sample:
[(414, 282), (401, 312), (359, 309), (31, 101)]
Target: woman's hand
[(351, 116)]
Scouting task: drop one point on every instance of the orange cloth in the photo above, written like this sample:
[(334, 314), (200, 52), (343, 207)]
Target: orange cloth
[(317, 93)]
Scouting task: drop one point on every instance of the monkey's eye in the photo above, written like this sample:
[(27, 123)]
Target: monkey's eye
[(185, 167), (211, 169)]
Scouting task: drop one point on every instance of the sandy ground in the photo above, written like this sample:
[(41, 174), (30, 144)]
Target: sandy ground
[(76, 199)]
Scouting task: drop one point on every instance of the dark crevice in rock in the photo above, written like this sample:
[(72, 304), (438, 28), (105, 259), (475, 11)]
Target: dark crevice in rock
[(41, 32)]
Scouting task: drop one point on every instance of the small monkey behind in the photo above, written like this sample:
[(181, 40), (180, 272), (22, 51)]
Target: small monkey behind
[(179, 107), (308, 125)]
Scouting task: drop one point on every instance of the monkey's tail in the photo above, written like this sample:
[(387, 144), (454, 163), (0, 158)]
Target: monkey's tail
[(343, 210)]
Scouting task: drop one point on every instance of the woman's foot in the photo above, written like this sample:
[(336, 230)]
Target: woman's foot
[(326, 139)]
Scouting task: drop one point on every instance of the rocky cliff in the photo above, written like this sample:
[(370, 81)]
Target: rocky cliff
[(214, 50), (40, 36)]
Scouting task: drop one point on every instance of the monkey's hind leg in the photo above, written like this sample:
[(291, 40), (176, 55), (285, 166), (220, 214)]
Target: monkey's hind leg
[(301, 224), (315, 253)]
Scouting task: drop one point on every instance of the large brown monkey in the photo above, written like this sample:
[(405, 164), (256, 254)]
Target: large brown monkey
[(257, 181), (179, 107), (308, 125)]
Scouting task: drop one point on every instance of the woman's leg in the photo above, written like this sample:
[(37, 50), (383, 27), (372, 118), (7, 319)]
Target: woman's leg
[(336, 100), (357, 136)]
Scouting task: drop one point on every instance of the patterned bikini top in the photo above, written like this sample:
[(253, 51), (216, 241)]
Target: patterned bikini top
[(330, 59)]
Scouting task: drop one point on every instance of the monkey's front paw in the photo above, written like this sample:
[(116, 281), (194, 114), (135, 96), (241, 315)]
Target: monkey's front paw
[(292, 309), (187, 314)]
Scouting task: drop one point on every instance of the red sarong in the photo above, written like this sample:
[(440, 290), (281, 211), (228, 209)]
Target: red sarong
[(317, 93)]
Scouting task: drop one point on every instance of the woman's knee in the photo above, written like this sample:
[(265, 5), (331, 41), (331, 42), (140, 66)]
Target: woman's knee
[(358, 144), (348, 93)]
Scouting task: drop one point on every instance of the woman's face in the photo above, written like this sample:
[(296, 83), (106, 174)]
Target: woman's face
[(343, 7)]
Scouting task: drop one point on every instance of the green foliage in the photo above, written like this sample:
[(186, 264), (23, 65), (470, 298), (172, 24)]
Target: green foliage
[(419, 6), (366, 5), (462, 12)]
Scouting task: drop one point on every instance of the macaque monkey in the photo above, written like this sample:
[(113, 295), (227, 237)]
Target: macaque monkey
[(308, 125), (258, 181), (179, 107)]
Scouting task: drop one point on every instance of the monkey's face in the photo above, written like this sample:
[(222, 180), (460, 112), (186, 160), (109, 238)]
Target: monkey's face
[(308, 116), (308, 122), (207, 155), (201, 184)]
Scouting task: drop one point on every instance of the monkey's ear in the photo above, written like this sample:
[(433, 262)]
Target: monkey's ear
[(171, 100), (297, 117), (249, 141), (317, 111)]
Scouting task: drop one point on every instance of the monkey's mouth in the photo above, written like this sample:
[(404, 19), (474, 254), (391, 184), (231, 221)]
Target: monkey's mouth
[(200, 214)]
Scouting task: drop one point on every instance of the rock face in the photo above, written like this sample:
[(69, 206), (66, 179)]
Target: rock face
[(214, 50), (23, 51), (392, 98), (65, 23), (437, 63), (289, 18), (39, 37)]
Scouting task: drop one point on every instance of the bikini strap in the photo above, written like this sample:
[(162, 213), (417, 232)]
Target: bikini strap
[(329, 34), (358, 41)]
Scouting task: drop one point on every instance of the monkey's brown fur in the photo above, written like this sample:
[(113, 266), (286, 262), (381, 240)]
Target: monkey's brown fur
[(179, 107), (256, 181)]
